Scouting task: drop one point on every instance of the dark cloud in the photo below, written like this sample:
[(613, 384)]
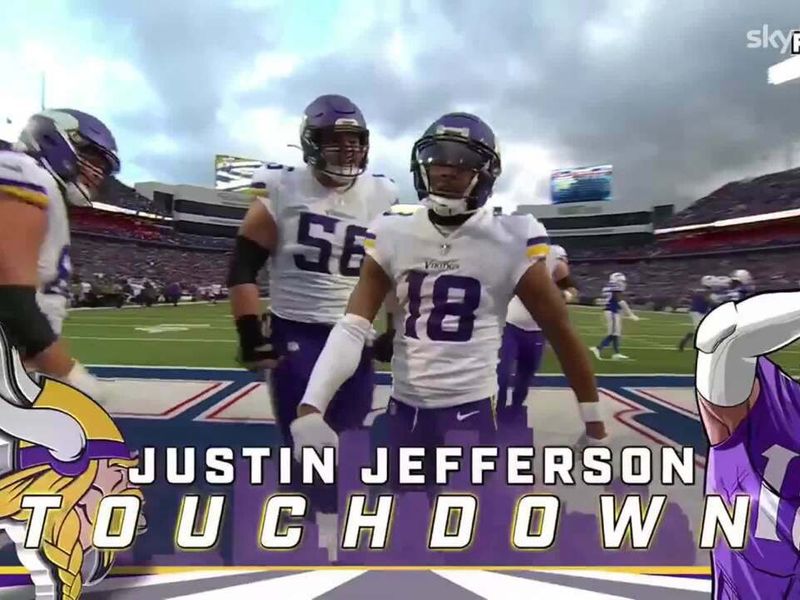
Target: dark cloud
[(673, 99), (189, 51), (677, 98)]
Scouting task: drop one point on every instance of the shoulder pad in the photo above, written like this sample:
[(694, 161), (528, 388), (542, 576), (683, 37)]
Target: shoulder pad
[(23, 178)]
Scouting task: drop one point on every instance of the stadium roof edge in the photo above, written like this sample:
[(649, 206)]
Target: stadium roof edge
[(773, 216)]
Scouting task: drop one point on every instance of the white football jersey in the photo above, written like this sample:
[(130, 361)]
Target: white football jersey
[(518, 315), (321, 233), (453, 291), (24, 178)]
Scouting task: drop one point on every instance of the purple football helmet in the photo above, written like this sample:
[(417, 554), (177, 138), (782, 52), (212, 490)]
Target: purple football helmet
[(77, 149), (325, 119), (463, 141)]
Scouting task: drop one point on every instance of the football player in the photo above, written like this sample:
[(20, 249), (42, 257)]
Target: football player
[(62, 157), (453, 293), (311, 223), (523, 342), (750, 410), (614, 308), (702, 302), (741, 285)]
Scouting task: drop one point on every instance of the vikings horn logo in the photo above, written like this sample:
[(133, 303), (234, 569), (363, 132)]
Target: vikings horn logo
[(54, 440)]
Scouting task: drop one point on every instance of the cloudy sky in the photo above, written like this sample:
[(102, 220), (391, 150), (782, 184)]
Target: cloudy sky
[(665, 90)]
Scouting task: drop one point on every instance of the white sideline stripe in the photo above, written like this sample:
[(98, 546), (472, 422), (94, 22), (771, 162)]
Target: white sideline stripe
[(497, 586), (676, 583), (300, 586)]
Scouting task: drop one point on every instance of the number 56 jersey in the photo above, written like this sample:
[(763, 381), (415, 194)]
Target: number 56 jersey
[(453, 292), (321, 233)]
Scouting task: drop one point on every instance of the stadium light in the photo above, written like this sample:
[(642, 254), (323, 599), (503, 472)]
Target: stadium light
[(784, 71)]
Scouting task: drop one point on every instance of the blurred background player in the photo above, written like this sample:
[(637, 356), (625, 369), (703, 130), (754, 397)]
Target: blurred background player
[(741, 285), (312, 223), (523, 343), (62, 157), (453, 291), (615, 307), (703, 300)]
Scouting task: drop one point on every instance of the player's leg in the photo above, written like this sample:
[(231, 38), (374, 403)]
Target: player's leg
[(616, 337), (403, 427), (531, 350), (609, 318), (696, 318), (505, 367)]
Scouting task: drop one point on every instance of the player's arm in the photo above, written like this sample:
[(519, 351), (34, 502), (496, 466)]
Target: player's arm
[(543, 300), (564, 281), (383, 346), (342, 352), (625, 307), (24, 221), (255, 241), (729, 341)]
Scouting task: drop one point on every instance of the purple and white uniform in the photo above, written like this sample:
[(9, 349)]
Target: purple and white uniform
[(313, 270), (761, 459)]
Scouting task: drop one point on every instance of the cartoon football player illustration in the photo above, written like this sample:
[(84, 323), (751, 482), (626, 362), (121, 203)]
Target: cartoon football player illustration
[(750, 410), (54, 440)]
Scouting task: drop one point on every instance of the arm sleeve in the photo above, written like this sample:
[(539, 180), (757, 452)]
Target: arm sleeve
[(535, 248)]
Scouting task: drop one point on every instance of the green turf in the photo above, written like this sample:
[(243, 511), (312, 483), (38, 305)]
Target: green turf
[(120, 337)]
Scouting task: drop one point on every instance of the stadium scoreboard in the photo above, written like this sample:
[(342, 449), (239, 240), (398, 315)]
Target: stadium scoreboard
[(581, 184)]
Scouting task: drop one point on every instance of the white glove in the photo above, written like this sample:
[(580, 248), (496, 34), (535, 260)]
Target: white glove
[(634, 318), (312, 431)]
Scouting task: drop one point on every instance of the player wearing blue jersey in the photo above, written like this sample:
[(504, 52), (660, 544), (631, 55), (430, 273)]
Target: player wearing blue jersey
[(614, 307), (703, 300)]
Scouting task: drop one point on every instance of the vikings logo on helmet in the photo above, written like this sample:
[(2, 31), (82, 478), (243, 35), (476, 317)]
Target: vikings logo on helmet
[(77, 149), (325, 123), (461, 141)]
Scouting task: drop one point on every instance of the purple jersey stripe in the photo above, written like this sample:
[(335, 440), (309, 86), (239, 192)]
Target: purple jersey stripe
[(23, 184)]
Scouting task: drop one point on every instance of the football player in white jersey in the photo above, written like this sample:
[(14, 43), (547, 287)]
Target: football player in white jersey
[(523, 343), (614, 307), (62, 157), (311, 224), (454, 268)]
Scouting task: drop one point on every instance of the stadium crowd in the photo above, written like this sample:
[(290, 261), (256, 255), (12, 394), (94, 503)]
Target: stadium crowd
[(768, 193), (662, 273)]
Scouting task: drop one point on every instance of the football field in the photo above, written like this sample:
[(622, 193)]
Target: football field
[(203, 335)]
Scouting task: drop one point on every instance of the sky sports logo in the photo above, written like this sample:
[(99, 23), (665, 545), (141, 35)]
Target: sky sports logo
[(785, 42)]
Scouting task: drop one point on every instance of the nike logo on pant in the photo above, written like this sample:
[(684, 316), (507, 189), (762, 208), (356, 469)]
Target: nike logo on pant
[(461, 417)]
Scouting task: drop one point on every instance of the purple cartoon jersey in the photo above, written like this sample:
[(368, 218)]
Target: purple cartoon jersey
[(760, 459)]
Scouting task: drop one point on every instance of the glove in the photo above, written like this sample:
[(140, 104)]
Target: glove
[(634, 318), (312, 431), (256, 350), (383, 347)]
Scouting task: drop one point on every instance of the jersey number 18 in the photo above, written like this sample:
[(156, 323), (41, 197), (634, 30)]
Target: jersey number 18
[(442, 304)]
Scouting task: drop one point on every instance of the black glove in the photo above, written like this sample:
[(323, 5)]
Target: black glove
[(255, 343), (383, 347)]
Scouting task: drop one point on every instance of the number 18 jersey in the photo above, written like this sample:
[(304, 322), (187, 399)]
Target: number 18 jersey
[(321, 233), (453, 292)]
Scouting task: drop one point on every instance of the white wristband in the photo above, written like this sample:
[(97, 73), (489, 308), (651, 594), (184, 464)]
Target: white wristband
[(590, 412)]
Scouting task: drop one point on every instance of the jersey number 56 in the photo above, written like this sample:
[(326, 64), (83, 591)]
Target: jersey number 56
[(349, 262)]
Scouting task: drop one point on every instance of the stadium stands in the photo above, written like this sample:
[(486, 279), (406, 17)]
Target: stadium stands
[(765, 194)]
